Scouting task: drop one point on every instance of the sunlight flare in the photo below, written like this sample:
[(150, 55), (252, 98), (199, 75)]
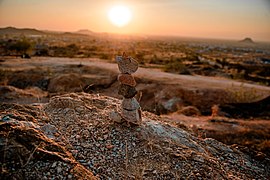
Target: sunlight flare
[(119, 15)]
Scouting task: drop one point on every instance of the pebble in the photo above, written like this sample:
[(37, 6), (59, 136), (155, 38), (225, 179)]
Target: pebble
[(58, 169), (127, 64), (54, 165), (69, 176), (5, 118), (130, 104), (127, 79), (49, 130), (127, 91)]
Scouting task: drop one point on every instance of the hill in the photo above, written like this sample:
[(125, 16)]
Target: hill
[(28, 31), (247, 40), (85, 32), (13, 30), (73, 137)]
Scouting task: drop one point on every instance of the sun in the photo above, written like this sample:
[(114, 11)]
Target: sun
[(119, 15)]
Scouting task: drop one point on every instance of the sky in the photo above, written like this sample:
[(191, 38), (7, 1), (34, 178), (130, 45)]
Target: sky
[(226, 19)]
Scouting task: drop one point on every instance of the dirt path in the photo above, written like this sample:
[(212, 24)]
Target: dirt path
[(187, 81)]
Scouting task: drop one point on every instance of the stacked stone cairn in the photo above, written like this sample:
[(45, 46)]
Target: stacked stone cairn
[(130, 108)]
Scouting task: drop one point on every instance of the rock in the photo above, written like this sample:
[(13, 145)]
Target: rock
[(132, 116), (5, 118), (115, 116), (127, 91), (127, 64), (54, 164), (49, 130), (189, 111), (130, 104), (66, 83), (58, 169), (170, 150), (127, 79)]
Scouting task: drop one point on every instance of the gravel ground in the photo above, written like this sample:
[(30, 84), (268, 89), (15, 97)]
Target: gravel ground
[(72, 137)]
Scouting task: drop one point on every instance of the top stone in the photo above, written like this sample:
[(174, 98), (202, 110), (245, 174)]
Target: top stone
[(127, 64)]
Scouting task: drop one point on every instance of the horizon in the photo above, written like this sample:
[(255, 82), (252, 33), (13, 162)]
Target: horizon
[(145, 35), (191, 19)]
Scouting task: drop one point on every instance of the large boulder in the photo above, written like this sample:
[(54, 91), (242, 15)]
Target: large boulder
[(82, 135)]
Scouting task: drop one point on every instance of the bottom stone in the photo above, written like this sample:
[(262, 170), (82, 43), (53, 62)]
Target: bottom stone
[(132, 116)]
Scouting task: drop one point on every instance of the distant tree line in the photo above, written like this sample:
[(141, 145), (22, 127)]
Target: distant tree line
[(20, 47)]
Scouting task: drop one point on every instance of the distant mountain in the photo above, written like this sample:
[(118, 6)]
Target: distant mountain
[(85, 31), (247, 40), (13, 30)]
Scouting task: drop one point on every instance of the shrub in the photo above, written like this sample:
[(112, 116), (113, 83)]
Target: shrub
[(20, 47), (176, 67)]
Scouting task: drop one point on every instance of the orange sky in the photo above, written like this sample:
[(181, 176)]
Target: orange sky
[(232, 19)]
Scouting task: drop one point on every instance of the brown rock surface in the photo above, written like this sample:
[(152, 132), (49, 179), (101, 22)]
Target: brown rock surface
[(24, 96), (130, 104), (127, 79), (28, 153), (87, 141), (127, 91), (127, 64), (132, 116)]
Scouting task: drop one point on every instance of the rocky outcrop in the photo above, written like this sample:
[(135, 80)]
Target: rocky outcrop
[(73, 137), (26, 150), (12, 94), (259, 108)]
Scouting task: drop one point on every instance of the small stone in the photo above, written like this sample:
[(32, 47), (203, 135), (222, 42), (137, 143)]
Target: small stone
[(115, 116), (132, 116), (109, 146), (127, 64), (58, 169), (54, 164), (49, 130), (130, 104), (127, 79), (69, 176), (5, 118), (127, 91)]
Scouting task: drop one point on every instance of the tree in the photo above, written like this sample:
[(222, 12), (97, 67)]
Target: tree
[(21, 46)]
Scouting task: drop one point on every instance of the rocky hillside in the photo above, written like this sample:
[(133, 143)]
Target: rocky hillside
[(72, 137)]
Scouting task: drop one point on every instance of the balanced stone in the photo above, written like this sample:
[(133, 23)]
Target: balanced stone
[(132, 116), (127, 91), (127, 79), (127, 64), (130, 104)]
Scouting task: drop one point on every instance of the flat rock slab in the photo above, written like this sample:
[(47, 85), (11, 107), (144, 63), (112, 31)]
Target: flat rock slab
[(127, 64), (130, 104), (127, 91), (127, 79)]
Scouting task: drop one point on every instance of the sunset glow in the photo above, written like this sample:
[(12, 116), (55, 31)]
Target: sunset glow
[(119, 15), (192, 18)]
